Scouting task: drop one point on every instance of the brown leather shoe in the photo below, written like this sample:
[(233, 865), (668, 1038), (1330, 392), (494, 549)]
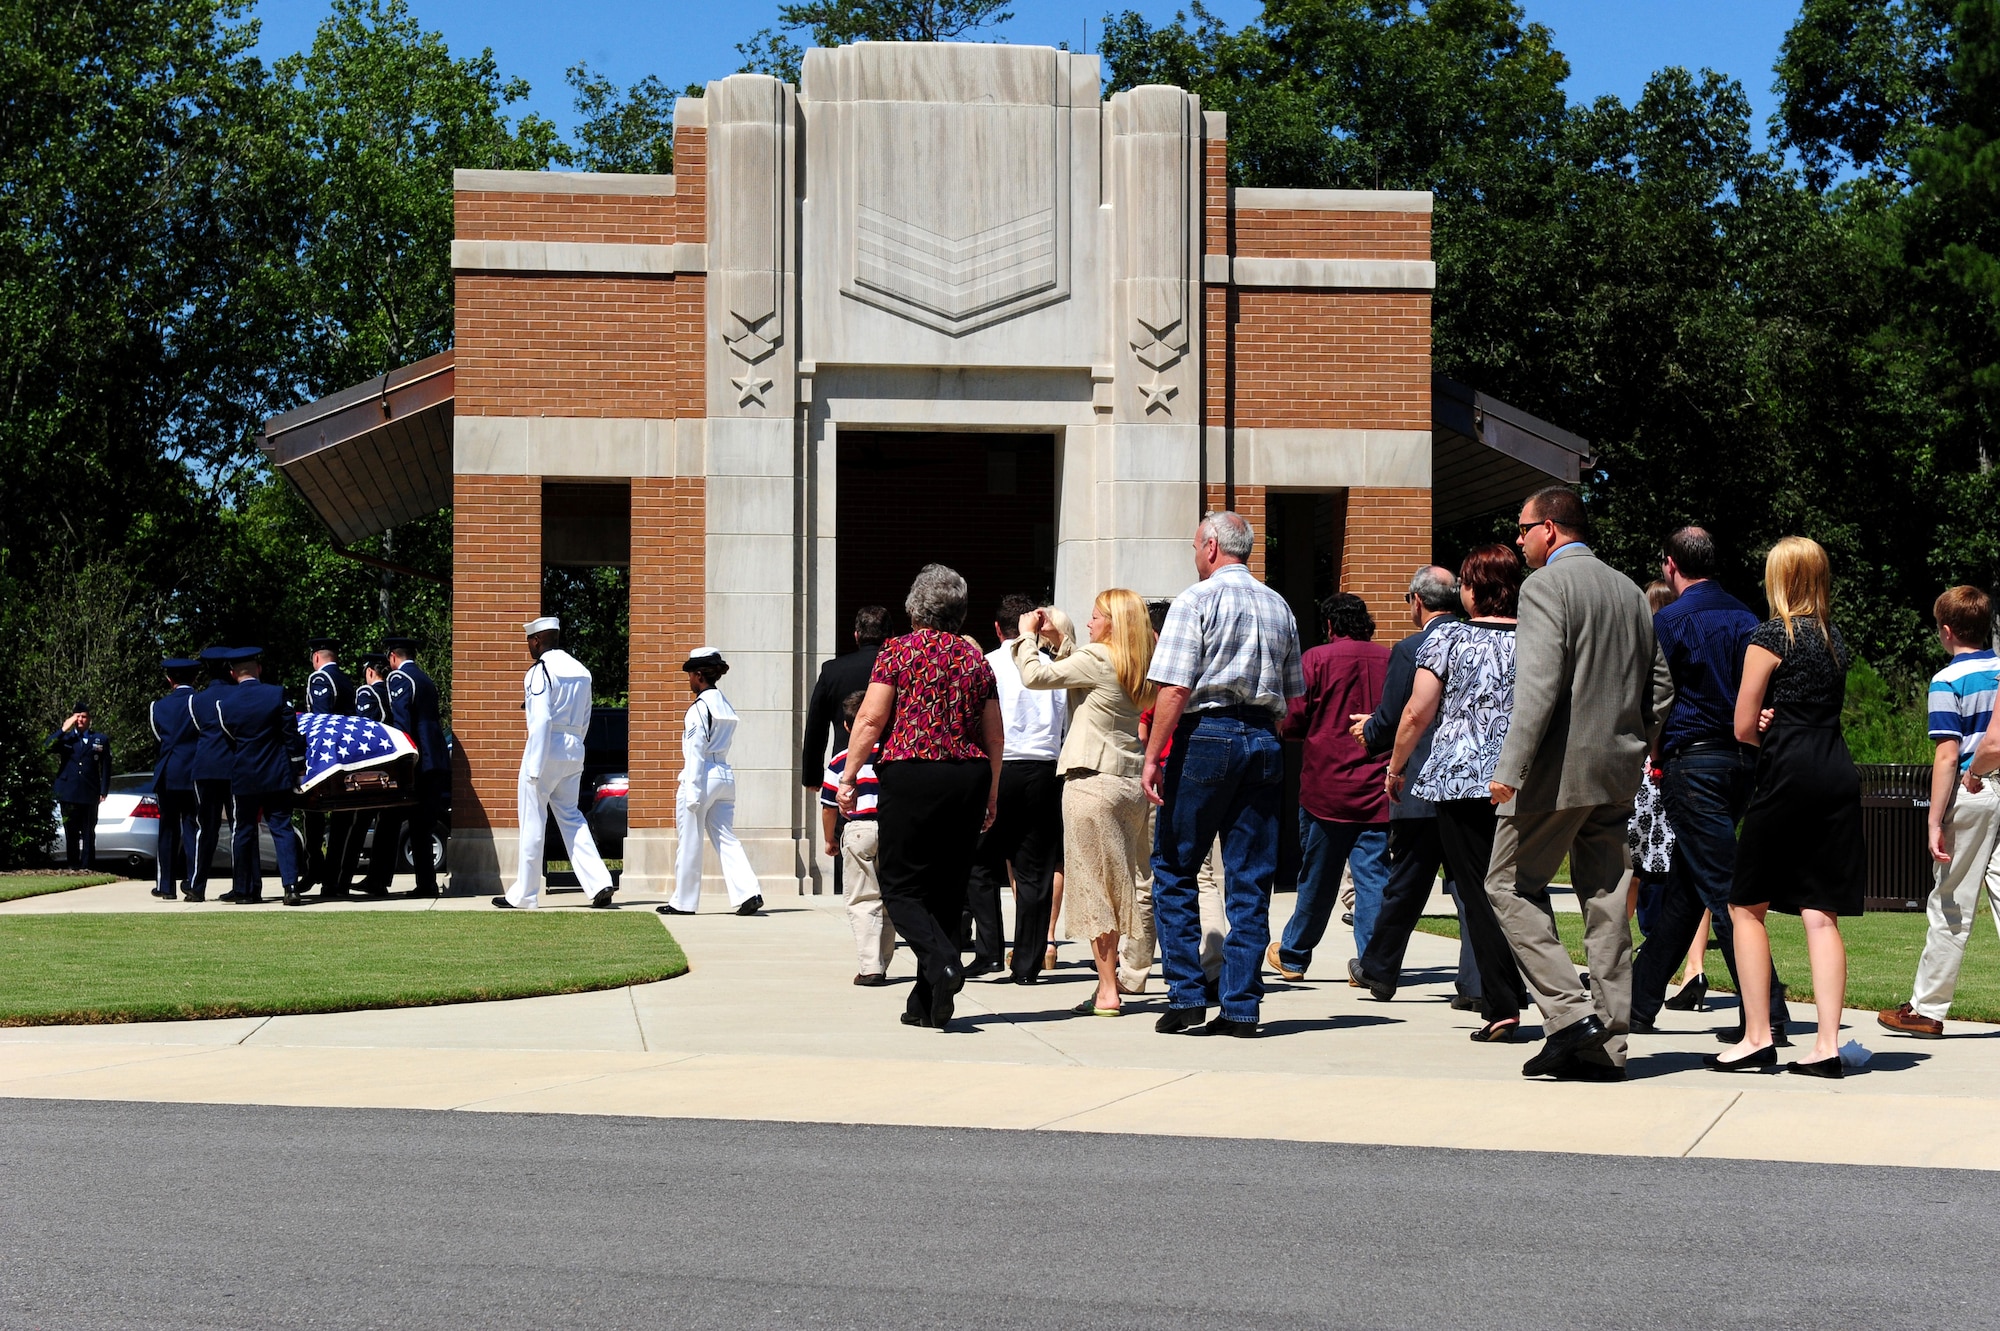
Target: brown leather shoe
[(1284, 972), (1906, 1020)]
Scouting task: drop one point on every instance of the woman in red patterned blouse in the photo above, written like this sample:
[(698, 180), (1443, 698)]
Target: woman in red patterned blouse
[(933, 694)]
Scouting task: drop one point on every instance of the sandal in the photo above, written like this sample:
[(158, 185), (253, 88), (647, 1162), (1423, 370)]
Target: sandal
[(1497, 1032), (1088, 1008)]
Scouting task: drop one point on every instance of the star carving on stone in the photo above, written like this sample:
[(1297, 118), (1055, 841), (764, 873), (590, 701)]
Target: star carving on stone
[(751, 387), (1159, 395), (1159, 344)]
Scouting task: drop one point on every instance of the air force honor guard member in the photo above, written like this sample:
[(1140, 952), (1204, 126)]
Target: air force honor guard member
[(413, 709), (329, 690), (82, 782), (264, 733), (556, 698), (212, 761), (372, 701), (173, 780)]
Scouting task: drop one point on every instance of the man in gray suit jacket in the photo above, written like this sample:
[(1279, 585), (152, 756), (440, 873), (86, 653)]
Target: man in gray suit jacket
[(1590, 689)]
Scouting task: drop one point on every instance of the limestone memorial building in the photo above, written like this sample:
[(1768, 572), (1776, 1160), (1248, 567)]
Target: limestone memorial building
[(938, 303)]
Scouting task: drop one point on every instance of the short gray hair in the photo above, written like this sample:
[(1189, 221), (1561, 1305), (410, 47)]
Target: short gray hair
[(936, 599), (1230, 532), (1433, 592)]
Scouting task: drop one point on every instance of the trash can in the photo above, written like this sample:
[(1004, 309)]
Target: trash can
[(1895, 818)]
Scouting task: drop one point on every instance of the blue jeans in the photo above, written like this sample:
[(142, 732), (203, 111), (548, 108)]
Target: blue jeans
[(1323, 848), (1705, 794), (1225, 777)]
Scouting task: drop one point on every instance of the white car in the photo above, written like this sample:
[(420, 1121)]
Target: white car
[(128, 831)]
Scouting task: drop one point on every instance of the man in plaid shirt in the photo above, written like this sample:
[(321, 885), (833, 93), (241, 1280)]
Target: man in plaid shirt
[(1227, 663)]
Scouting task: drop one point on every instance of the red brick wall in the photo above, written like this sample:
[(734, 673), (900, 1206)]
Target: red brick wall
[(608, 219), (1270, 233), (1249, 507), (496, 588), (1332, 359), (667, 616), (1388, 537), (572, 345)]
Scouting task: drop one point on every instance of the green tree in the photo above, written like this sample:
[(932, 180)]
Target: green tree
[(629, 131), (1862, 83)]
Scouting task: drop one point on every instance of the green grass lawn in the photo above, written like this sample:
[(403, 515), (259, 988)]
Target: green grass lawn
[(1882, 951), (14, 886), (63, 969)]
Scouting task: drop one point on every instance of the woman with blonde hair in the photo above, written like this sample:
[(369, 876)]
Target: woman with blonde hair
[(1103, 805), (1800, 851)]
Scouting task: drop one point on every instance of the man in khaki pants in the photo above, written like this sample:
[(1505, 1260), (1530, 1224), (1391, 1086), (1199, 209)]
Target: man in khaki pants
[(854, 841), (1590, 691)]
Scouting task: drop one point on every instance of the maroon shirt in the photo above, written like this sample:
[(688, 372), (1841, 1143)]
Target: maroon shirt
[(942, 683), (1340, 783)]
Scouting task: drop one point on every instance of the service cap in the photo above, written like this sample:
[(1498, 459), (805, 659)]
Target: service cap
[(322, 645), (173, 663), (703, 656), (546, 624), (403, 644)]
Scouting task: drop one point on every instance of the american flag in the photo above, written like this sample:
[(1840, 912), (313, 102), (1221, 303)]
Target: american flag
[(347, 744)]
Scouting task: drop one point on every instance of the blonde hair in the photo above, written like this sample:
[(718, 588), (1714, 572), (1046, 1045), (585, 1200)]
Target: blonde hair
[(1798, 581), (1130, 642)]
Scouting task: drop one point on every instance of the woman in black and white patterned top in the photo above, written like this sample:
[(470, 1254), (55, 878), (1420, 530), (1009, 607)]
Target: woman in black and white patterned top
[(1465, 678), (1800, 851)]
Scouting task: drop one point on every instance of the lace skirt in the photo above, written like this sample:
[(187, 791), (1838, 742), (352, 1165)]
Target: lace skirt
[(1104, 853)]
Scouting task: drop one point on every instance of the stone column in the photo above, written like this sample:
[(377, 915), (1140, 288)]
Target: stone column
[(753, 529)]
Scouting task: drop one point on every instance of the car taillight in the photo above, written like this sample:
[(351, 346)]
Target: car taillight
[(147, 807), (616, 787)]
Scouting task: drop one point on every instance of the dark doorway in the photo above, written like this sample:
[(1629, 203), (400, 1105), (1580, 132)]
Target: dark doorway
[(1302, 546), (985, 504)]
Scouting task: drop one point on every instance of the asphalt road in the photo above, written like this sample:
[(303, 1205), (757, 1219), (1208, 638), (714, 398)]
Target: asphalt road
[(131, 1215)]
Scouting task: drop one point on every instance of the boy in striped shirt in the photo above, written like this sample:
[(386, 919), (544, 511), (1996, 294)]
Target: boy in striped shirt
[(1965, 812), (854, 840)]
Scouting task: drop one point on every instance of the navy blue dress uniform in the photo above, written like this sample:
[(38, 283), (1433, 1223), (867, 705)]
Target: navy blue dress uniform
[(371, 700), (413, 709), (329, 691), (212, 761), (173, 781), (264, 739), (82, 781)]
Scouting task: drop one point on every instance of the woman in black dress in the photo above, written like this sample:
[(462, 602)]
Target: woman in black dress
[(1800, 851)]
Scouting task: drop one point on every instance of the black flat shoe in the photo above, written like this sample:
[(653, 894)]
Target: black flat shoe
[(1242, 1030), (671, 910), (867, 981), (942, 994), (1180, 1020), (912, 1019), (1565, 1044), (292, 897), (1640, 1026), (1767, 1057), (1462, 1003), (501, 903), (1381, 993), (1498, 1032), (602, 901), (1826, 1067), (194, 896), (1693, 996), (751, 907)]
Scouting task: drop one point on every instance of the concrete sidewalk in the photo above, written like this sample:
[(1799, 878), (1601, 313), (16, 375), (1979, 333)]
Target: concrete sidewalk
[(767, 1025)]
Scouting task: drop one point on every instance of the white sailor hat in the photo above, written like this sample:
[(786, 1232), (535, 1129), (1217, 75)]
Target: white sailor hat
[(703, 656), (546, 624)]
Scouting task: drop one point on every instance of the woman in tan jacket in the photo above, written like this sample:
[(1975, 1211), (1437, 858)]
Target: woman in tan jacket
[(1103, 806)]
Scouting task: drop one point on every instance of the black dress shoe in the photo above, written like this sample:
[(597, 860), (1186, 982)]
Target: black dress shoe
[(1382, 993), (501, 903), (751, 907), (602, 901), (1734, 1035), (914, 1019), (1693, 996), (1466, 1003), (1640, 1026), (1826, 1067), (1584, 1069), (671, 910), (1178, 1020), (1242, 1030), (942, 994), (979, 968), (868, 981), (163, 893), (1767, 1057), (292, 897), (194, 896), (1024, 979), (1566, 1044)]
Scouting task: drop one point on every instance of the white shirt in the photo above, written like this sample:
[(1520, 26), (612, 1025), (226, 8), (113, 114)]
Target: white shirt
[(1034, 718), (705, 740), (556, 699)]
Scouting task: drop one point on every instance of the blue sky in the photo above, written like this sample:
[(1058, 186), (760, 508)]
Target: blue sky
[(1612, 45)]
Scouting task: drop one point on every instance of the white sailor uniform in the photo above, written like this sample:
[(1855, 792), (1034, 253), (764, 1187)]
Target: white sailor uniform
[(557, 703), (706, 803)]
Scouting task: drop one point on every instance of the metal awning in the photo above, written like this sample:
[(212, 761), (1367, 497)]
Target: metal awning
[(1487, 456), (372, 456)]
